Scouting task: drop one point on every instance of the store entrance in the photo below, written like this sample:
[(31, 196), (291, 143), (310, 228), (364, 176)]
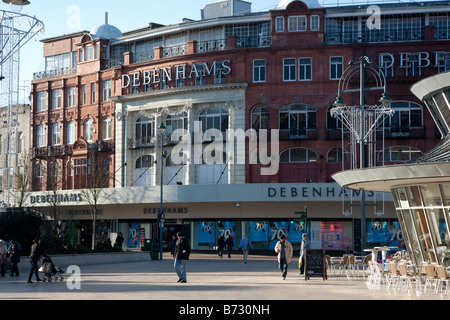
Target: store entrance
[(170, 236)]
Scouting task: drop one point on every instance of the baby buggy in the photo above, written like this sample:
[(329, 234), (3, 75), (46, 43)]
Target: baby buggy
[(50, 271)]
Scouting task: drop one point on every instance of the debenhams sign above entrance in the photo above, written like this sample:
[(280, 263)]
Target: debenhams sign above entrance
[(179, 72)]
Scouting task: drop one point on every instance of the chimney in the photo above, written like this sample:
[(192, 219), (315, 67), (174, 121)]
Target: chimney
[(106, 17)]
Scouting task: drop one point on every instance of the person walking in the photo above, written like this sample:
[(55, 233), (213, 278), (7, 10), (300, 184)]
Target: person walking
[(229, 244), (3, 258), (245, 246), (119, 242), (14, 252), (36, 253), (181, 255), (220, 246), (285, 252), (305, 246)]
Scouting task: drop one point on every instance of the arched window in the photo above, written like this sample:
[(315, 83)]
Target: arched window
[(214, 118), (175, 170), (40, 169), (106, 165), (260, 118), (399, 154), (21, 145), (55, 169), (145, 129), (41, 136), (300, 117), (56, 134), (298, 155), (70, 169), (144, 171), (71, 132), (406, 115), (336, 155), (88, 130), (106, 128)]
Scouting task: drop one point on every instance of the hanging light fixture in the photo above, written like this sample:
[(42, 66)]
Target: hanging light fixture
[(339, 102), (17, 2)]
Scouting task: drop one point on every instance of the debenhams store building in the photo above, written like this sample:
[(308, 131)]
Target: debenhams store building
[(263, 211)]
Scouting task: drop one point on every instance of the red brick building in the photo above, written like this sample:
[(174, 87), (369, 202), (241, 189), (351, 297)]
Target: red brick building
[(97, 106)]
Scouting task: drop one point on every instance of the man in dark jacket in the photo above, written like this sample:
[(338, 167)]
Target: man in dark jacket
[(36, 253), (181, 255)]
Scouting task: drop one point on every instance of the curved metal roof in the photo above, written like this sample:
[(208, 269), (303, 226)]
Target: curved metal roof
[(105, 31)]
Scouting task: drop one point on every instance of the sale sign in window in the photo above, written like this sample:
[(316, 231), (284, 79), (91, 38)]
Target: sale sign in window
[(332, 235)]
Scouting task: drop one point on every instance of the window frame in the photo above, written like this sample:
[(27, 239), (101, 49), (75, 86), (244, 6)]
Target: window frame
[(307, 67), (289, 70), (336, 67), (259, 71)]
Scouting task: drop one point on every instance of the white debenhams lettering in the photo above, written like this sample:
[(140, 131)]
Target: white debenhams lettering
[(181, 72), (408, 58)]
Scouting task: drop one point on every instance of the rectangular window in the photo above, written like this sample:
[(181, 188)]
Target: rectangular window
[(289, 69), (279, 24), (297, 23), (41, 101), (336, 67), (315, 23), (259, 70), (83, 95), (56, 99), (71, 97), (305, 69), (106, 90), (93, 93), (200, 75)]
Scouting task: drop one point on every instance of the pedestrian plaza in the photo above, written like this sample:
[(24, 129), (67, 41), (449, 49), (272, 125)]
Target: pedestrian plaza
[(209, 277)]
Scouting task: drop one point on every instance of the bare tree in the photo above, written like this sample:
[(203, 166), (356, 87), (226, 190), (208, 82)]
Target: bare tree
[(23, 180), (96, 183)]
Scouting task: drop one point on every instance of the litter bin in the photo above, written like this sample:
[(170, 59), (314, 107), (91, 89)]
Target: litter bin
[(154, 249), (147, 245)]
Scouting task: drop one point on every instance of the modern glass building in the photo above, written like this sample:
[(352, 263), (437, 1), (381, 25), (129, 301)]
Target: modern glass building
[(421, 188)]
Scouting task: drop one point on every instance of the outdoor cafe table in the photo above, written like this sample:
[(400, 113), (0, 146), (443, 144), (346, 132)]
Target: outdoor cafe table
[(380, 254)]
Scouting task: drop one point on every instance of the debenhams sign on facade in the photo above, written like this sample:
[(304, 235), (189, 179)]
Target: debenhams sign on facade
[(217, 193), (179, 72)]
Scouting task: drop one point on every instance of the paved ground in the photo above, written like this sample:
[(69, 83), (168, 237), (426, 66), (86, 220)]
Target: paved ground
[(209, 278)]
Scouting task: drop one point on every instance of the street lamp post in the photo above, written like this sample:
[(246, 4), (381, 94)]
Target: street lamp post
[(162, 131), (364, 63)]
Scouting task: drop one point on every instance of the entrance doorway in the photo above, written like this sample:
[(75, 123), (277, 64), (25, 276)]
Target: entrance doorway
[(170, 236)]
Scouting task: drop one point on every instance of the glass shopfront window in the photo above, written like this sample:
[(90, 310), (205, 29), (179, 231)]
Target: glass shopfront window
[(424, 213), (438, 232)]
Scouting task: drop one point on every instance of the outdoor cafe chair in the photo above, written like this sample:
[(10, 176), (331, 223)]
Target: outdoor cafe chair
[(443, 278), (330, 265), (431, 278), (409, 277), (343, 264), (394, 278)]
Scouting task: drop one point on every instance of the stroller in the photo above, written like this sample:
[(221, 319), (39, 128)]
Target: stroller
[(50, 271)]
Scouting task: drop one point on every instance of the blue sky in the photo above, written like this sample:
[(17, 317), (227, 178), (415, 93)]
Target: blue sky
[(68, 16)]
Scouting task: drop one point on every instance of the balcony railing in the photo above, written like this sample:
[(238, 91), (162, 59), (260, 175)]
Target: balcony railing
[(174, 51), (54, 73), (254, 42), (143, 142), (52, 151), (375, 35), (298, 134), (211, 46)]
